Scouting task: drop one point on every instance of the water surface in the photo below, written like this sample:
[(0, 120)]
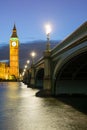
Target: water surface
[(20, 109)]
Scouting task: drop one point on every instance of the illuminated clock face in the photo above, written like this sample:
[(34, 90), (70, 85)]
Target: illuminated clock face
[(13, 43)]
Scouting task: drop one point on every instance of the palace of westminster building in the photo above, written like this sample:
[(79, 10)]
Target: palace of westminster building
[(11, 71)]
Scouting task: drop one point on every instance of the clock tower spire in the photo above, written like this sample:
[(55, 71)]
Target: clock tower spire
[(14, 54), (14, 32)]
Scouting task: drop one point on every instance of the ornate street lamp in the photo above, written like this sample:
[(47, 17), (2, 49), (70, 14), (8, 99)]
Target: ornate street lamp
[(33, 54), (28, 61), (25, 66), (48, 31)]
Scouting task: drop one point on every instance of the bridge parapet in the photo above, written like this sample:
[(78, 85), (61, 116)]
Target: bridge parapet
[(39, 63), (76, 37)]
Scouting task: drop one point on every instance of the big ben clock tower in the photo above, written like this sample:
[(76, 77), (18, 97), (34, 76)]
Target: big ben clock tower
[(14, 54)]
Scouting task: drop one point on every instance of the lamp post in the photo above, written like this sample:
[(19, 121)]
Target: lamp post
[(47, 62), (24, 70), (33, 54), (48, 31), (32, 82), (25, 66), (28, 61), (25, 73)]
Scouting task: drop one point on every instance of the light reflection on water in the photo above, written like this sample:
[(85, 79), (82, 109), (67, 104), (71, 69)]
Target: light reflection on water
[(21, 110)]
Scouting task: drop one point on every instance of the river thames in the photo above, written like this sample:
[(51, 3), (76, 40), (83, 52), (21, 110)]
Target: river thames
[(20, 109)]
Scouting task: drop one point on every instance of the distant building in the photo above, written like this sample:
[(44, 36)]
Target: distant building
[(11, 71)]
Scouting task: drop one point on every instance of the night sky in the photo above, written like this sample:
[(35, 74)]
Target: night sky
[(30, 17)]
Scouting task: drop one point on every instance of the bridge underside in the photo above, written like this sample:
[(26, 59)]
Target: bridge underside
[(39, 78), (72, 77)]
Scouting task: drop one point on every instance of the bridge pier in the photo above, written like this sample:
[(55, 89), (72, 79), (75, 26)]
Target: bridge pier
[(46, 91), (47, 72), (32, 80)]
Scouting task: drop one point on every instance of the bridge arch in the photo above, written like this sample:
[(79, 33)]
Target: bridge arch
[(70, 75), (39, 78)]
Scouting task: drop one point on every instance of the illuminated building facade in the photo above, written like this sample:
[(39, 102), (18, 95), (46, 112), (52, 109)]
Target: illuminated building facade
[(11, 71)]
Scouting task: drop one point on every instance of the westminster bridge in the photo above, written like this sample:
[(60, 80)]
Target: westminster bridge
[(63, 70)]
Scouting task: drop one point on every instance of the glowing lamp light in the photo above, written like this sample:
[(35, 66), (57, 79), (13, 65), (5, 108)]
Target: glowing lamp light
[(48, 31), (25, 66), (24, 70), (23, 74), (48, 28), (33, 54), (28, 61)]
